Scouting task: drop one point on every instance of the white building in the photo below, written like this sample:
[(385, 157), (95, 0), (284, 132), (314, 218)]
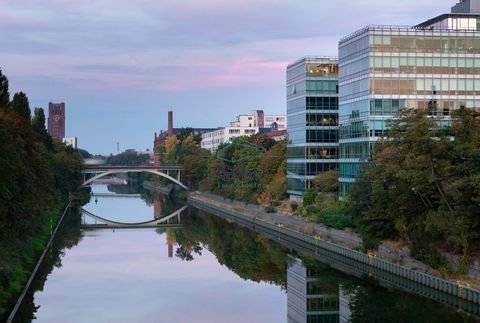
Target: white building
[(70, 141), (257, 118), (245, 125), (211, 140)]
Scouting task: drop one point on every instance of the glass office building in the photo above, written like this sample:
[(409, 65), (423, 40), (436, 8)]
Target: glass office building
[(312, 114), (433, 66)]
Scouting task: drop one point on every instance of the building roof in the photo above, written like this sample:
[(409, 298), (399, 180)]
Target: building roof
[(315, 59), (432, 21)]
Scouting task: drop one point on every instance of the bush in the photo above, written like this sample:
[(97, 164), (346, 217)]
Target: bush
[(426, 252), (370, 243), (331, 217), (309, 198), (270, 209), (276, 203), (294, 206), (312, 210)]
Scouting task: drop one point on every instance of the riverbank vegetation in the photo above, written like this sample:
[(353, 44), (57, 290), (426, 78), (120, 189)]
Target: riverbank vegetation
[(423, 186), (250, 169), (36, 175)]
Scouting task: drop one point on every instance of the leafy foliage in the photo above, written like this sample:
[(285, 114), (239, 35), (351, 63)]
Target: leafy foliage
[(4, 93), (36, 174), (424, 185), (21, 105)]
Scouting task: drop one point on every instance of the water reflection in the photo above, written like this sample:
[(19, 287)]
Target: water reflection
[(318, 294), (310, 299), (210, 270)]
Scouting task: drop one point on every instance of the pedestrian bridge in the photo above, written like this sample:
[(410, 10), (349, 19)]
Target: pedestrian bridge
[(163, 171), (100, 222)]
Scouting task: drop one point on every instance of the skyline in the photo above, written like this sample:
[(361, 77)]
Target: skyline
[(119, 67)]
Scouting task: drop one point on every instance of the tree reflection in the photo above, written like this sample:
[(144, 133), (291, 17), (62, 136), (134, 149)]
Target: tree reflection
[(67, 237), (246, 253)]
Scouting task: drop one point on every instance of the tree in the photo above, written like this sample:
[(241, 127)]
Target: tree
[(424, 184), (38, 120), (4, 93), (326, 182), (21, 106), (38, 125)]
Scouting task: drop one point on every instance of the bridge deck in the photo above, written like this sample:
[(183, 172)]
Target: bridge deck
[(106, 168)]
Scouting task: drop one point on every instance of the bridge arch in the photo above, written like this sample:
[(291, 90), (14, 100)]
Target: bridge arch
[(114, 224), (140, 170)]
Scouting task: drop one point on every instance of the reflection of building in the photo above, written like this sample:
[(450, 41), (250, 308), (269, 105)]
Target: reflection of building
[(56, 120), (170, 242), (246, 125), (312, 112), (344, 300), (157, 208), (309, 298), (434, 66)]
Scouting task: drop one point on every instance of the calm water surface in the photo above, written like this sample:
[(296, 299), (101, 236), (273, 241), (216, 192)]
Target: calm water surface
[(208, 270)]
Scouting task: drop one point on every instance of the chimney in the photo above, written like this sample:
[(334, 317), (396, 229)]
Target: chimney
[(170, 123)]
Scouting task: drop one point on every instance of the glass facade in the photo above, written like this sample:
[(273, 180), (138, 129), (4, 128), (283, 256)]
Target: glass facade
[(384, 69), (312, 112)]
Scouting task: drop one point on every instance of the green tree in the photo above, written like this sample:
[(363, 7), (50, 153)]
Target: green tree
[(21, 106), (4, 93), (423, 184)]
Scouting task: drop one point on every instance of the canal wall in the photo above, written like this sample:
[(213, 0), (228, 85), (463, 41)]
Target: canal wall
[(339, 256)]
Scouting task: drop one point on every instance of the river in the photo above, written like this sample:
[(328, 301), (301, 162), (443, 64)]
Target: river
[(198, 268)]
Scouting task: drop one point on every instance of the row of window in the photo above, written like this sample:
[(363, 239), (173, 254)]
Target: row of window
[(310, 169), (351, 170), (321, 120), (322, 103), (445, 62), (313, 70), (312, 153), (426, 43), (324, 86), (356, 150), (313, 136)]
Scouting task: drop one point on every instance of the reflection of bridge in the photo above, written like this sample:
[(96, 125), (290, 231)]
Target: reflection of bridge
[(101, 223), (115, 195), (163, 171)]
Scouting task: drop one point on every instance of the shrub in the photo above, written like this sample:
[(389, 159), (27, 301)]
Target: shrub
[(276, 203), (312, 210), (309, 198), (270, 209), (331, 217), (294, 206), (370, 243)]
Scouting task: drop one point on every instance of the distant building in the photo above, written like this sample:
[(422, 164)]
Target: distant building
[(211, 140), (56, 120), (246, 125), (70, 141), (278, 135), (161, 138), (258, 119)]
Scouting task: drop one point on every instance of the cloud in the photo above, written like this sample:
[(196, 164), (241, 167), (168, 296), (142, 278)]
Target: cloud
[(112, 53)]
